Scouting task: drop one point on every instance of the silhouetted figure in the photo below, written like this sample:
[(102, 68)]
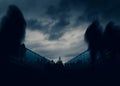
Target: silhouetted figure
[(117, 40), (59, 61), (93, 37), (108, 38), (112, 41), (12, 32), (59, 65)]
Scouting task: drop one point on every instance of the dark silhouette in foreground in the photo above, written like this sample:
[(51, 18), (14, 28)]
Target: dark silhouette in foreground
[(12, 33), (93, 37), (111, 39)]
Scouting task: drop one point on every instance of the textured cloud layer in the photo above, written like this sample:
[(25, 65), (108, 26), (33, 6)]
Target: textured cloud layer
[(56, 27)]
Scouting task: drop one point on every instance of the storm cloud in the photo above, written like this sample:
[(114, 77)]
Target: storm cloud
[(89, 9), (72, 13), (52, 24)]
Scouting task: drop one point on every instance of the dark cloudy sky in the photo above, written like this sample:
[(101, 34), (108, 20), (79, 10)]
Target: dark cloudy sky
[(56, 27)]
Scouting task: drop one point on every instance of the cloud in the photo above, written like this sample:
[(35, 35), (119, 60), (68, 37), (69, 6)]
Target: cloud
[(68, 46), (34, 24), (56, 27), (88, 9), (73, 13)]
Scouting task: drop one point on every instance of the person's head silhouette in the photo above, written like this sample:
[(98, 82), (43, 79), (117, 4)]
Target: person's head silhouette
[(12, 30)]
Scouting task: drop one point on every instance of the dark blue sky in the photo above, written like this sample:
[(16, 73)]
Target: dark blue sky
[(56, 27)]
